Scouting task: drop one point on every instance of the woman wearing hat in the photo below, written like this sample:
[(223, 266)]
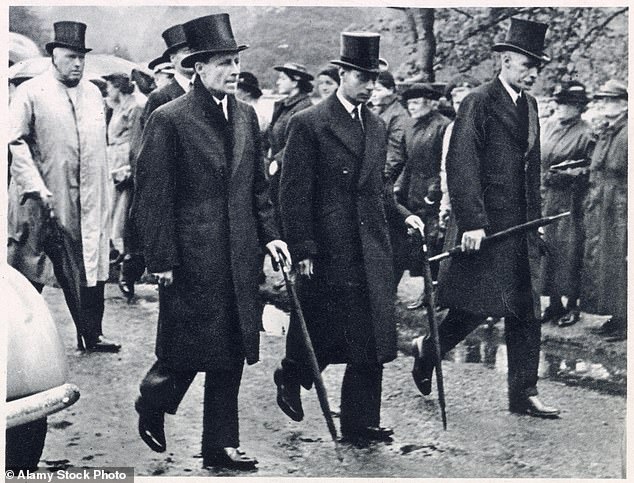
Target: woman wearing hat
[(418, 188), (125, 113), (564, 137), (604, 281), (327, 82), (293, 82)]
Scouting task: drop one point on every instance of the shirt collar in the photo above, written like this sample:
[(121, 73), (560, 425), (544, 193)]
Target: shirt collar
[(512, 92), (347, 105), (223, 104), (183, 81)]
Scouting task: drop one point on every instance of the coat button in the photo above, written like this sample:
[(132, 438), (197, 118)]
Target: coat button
[(345, 171)]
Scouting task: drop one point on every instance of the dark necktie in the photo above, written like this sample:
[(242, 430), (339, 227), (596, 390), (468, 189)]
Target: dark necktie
[(357, 118), (522, 116)]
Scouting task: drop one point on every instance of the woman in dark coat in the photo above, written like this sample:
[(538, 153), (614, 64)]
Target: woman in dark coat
[(604, 279), (294, 82), (564, 137)]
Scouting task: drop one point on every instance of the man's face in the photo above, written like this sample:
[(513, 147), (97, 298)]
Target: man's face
[(219, 74), (610, 108), (379, 94), (176, 57), (357, 86), (519, 70), (419, 106), (69, 64)]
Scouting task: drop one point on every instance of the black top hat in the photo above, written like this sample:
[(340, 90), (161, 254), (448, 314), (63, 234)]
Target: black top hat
[(421, 90), (207, 35), (71, 35), (248, 82), (294, 71), (360, 51), (572, 92), (159, 60), (525, 37), (174, 38), (612, 89)]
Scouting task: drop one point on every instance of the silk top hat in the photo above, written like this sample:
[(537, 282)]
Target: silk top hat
[(424, 90), (525, 37), (70, 35), (294, 71), (612, 89), (248, 82), (360, 51), (572, 92), (174, 38), (209, 35)]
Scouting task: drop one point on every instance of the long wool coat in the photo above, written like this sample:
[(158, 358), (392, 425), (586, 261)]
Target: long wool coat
[(493, 178), (58, 143), (332, 204), (604, 282), (396, 119), (561, 267), (202, 205)]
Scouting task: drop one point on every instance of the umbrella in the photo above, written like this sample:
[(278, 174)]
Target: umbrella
[(60, 248), (21, 48), (97, 65)]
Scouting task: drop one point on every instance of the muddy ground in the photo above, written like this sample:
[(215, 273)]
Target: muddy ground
[(483, 439)]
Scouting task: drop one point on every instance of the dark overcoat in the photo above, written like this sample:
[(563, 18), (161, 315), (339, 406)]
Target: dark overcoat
[(561, 267), (203, 207), (604, 281), (332, 204), (396, 119), (494, 183), (158, 97)]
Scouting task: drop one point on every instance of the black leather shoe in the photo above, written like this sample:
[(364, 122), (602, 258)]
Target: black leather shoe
[(101, 344), (532, 406), (127, 289), (570, 318), (417, 304), (288, 396), (231, 458), (423, 368), (151, 426), (608, 328)]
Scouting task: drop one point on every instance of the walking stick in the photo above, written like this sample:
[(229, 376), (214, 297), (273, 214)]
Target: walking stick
[(430, 300), (524, 227), (320, 388)]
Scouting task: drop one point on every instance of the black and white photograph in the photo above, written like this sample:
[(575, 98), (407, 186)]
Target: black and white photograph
[(327, 241)]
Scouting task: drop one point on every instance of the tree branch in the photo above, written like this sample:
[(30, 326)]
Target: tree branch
[(597, 28), (462, 12)]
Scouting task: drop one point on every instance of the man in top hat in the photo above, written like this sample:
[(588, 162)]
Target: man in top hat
[(564, 137), (176, 50), (333, 215), (57, 139), (418, 189), (493, 174), (205, 215), (604, 281)]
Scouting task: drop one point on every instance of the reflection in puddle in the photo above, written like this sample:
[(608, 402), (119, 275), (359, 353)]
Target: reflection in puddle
[(486, 346)]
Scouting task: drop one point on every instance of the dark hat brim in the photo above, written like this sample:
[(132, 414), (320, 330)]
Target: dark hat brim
[(571, 99), (502, 46), (610, 95), (159, 60), (170, 50), (251, 89), (294, 72), (418, 92), (189, 61), (52, 45), (342, 63)]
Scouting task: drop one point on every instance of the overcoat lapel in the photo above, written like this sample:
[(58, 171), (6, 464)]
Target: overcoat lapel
[(533, 124), (239, 127), (343, 127), (505, 109), (203, 102), (372, 146)]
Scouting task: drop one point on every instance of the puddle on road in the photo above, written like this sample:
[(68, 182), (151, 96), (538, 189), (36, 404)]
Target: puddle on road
[(486, 346)]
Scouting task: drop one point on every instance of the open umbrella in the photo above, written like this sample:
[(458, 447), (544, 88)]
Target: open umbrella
[(97, 65), (21, 48)]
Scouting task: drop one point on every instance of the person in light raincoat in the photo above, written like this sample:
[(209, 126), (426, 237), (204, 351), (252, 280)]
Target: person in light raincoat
[(57, 140)]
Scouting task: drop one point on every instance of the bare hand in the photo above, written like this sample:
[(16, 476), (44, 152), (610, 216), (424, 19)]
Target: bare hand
[(471, 240), (165, 278), (413, 223), (305, 267), (275, 248)]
